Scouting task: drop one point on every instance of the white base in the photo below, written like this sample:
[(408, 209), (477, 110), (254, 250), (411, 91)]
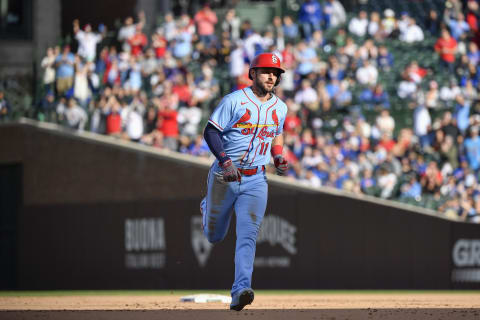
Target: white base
[(205, 297)]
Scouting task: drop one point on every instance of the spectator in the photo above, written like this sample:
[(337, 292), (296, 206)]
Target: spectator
[(159, 44), (138, 41), (75, 116), (310, 18), (458, 26), (358, 25), (335, 14), (406, 88), (311, 179), (48, 64), (374, 24), (306, 57), (462, 114), (472, 147), (290, 29), (386, 183), (87, 40), (81, 88), (128, 30), (188, 119), (433, 23), (414, 72), (403, 22), (64, 70), (206, 19), (389, 22), (367, 74), (307, 95), (384, 59), (182, 47), (422, 124), (446, 47), (231, 25), (113, 117), (473, 53), (412, 33), (5, 107), (432, 95), (46, 108), (472, 15), (169, 28), (385, 123), (450, 92), (132, 116), (167, 125)]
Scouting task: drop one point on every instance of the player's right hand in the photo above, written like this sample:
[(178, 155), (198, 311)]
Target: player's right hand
[(230, 172)]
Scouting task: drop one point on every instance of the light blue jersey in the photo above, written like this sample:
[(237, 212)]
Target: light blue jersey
[(248, 126)]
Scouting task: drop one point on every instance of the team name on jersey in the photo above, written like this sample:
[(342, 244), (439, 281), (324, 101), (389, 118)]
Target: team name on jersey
[(249, 128), (264, 133)]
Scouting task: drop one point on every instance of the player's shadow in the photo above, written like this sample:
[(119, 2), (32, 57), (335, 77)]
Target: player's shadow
[(278, 314)]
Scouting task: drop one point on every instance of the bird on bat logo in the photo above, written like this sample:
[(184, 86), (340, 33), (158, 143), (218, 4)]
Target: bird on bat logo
[(243, 120)]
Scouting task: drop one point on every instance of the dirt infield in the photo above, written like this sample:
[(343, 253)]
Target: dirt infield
[(266, 306)]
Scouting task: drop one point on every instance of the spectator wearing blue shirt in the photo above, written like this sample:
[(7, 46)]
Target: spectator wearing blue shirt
[(65, 72), (458, 26), (462, 114), (305, 56), (4, 106), (384, 59), (310, 17), (368, 182), (473, 53), (290, 29), (380, 97), (472, 149), (411, 189)]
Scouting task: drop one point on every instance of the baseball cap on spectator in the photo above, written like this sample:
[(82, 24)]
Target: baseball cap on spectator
[(389, 13)]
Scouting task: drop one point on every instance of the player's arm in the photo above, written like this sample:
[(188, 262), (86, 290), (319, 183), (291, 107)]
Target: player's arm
[(281, 164), (214, 141)]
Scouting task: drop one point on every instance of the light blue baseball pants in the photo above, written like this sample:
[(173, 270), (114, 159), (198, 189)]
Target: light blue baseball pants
[(249, 200)]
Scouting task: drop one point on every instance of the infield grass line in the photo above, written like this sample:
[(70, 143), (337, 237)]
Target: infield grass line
[(46, 293)]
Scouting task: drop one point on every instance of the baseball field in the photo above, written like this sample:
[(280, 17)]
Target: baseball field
[(331, 305)]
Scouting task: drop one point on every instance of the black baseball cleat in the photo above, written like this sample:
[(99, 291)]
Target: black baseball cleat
[(240, 300)]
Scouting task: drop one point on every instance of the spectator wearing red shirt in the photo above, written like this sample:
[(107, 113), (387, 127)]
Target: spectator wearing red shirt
[(159, 44), (243, 80), (168, 126), (292, 124), (206, 20), (182, 90), (387, 142), (113, 119), (446, 47), (138, 41), (472, 11)]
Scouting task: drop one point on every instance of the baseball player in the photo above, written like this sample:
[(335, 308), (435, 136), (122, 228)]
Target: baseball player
[(242, 132)]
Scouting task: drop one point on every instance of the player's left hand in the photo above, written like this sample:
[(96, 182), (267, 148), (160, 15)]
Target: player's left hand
[(281, 164)]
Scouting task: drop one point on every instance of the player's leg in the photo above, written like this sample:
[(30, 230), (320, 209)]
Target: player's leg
[(249, 209), (217, 206)]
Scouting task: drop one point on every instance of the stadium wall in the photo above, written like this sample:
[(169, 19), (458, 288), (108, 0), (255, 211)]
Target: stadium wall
[(98, 213)]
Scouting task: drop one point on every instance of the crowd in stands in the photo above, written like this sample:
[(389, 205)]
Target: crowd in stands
[(345, 87)]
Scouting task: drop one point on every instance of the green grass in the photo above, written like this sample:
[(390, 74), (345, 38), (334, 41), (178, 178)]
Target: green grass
[(223, 292)]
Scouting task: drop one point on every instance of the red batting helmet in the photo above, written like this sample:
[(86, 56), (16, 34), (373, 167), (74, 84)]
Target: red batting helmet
[(266, 60)]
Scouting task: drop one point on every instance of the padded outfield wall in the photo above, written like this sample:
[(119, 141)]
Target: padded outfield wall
[(82, 211)]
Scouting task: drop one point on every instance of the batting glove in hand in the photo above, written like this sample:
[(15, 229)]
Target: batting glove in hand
[(281, 164), (230, 172)]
